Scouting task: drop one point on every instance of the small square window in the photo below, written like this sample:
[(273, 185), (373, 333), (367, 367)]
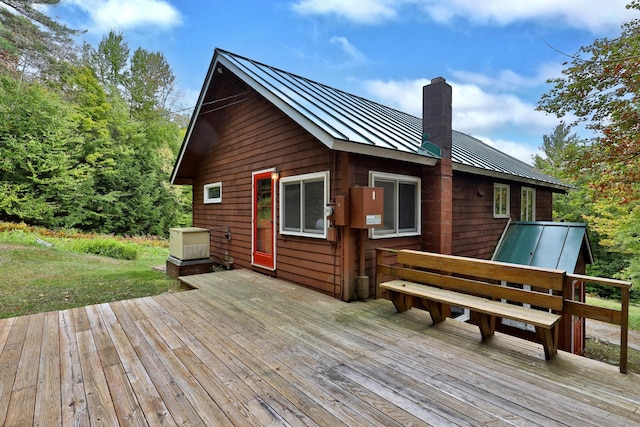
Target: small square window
[(501, 201), (213, 193)]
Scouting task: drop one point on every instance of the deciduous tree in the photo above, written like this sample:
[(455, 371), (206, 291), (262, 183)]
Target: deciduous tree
[(601, 88)]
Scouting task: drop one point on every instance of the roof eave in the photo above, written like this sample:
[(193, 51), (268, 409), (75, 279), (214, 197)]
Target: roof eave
[(385, 153), (194, 116), (563, 188)]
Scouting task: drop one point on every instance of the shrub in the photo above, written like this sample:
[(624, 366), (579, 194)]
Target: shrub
[(107, 247)]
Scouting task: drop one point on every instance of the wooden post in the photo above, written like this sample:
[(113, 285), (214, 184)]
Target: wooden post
[(624, 328)]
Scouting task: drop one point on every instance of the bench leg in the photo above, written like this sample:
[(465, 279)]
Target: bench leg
[(487, 325), (401, 301), (435, 310), (549, 339)]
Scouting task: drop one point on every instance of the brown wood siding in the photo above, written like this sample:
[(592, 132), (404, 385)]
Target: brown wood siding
[(246, 138), (362, 165), (475, 231)]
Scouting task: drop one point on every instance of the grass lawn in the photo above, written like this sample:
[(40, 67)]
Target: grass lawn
[(36, 278), (634, 309)]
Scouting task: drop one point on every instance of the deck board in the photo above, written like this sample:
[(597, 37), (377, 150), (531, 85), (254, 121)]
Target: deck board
[(248, 350)]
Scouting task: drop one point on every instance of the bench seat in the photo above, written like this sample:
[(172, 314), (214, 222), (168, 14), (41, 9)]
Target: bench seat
[(401, 293)]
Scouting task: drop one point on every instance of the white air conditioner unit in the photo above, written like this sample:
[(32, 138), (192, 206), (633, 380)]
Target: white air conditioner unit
[(189, 243)]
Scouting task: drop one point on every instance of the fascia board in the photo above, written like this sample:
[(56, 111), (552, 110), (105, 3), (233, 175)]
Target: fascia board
[(385, 153)]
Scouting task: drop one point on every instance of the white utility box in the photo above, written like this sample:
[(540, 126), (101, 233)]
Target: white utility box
[(189, 243)]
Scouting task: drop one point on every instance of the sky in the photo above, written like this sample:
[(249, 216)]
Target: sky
[(497, 54)]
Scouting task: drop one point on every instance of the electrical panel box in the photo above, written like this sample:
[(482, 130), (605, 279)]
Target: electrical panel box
[(189, 243), (366, 207)]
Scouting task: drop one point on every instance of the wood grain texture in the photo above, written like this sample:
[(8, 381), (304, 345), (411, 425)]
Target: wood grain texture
[(248, 350)]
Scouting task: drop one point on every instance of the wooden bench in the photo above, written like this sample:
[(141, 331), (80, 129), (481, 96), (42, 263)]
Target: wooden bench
[(444, 280)]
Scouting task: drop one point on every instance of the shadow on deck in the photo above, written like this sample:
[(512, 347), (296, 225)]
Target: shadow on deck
[(246, 349)]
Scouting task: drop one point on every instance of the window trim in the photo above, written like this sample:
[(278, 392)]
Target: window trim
[(308, 177), (208, 199), (507, 187), (374, 233), (532, 192)]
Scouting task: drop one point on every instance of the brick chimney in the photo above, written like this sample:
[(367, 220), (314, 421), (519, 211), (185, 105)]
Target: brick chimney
[(437, 193), (436, 114)]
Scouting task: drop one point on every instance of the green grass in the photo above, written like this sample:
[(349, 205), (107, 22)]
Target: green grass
[(37, 278), (610, 353), (634, 310)]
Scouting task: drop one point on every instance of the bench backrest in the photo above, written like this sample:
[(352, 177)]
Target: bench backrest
[(483, 278)]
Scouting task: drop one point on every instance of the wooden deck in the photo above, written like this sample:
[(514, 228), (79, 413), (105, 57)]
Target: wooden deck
[(245, 349)]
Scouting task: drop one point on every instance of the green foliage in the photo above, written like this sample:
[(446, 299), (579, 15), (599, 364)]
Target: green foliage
[(72, 154), (150, 83), (39, 169), (600, 87), (30, 41), (106, 247), (109, 61)]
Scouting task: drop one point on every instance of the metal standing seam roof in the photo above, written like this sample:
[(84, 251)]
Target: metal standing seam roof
[(347, 122), (543, 244)]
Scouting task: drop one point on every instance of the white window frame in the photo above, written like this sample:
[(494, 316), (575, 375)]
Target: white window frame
[(498, 189), (384, 234), (525, 194), (208, 199), (317, 176)]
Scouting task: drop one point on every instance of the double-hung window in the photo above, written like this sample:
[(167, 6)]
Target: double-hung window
[(528, 204), (401, 212), (303, 199), (501, 201)]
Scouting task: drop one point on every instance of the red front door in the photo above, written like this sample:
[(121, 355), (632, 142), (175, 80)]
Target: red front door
[(263, 239)]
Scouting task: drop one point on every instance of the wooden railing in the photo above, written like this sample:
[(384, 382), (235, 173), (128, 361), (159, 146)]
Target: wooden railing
[(569, 306), (608, 315)]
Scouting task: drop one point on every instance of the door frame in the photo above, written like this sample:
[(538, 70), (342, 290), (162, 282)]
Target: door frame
[(262, 259)]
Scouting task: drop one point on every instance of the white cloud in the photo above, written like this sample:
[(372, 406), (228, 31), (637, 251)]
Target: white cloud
[(519, 150), (475, 110), (483, 107), (128, 14), (360, 11), (593, 15), (352, 52)]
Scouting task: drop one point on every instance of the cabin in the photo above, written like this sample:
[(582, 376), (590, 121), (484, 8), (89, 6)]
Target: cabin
[(302, 181)]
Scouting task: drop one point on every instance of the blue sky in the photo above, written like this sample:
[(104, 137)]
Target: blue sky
[(496, 54)]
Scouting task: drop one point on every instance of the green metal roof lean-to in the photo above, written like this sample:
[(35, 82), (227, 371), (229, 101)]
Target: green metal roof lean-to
[(544, 244), (347, 122)]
